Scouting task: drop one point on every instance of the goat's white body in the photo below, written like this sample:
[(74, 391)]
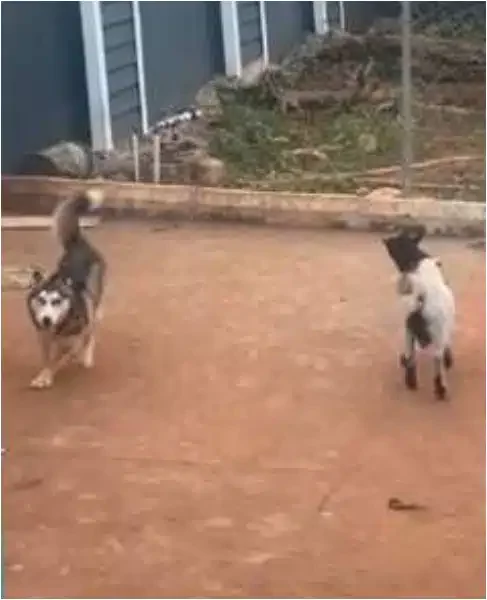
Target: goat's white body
[(427, 283)]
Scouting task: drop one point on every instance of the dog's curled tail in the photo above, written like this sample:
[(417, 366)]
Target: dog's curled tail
[(66, 215)]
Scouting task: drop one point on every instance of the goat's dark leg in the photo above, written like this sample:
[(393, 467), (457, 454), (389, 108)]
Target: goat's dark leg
[(408, 361), (448, 358), (440, 378)]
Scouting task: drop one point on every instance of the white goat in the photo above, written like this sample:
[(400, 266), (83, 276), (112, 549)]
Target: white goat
[(430, 307)]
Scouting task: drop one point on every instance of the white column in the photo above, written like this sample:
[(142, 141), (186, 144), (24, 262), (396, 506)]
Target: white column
[(96, 75), (263, 32), (320, 17), (341, 5), (231, 38), (139, 50)]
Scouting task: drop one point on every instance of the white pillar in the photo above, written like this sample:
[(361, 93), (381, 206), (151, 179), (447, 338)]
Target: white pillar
[(320, 17), (96, 75), (341, 5), (139, 50), (263, 31), (231, 38)]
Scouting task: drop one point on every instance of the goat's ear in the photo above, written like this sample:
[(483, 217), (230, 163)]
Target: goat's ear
[(418, 233), (414, 232), (36, 278)]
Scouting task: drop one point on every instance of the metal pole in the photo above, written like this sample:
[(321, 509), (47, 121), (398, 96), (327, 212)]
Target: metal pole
[(135, 155), (156, 153), (407, 117), (341, 7)]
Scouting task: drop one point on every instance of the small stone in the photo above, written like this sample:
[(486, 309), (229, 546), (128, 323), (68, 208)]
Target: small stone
[(259, 558), (208, 170), (17, 568), (384, 194), (219, 523), (368, 142)]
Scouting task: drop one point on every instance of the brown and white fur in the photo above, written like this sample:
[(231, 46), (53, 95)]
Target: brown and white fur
[(64, 306)]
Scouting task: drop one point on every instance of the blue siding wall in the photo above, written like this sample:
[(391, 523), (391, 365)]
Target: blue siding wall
[(183, 50), (121, 62), (288, 23), (250, 31), (44, 96)]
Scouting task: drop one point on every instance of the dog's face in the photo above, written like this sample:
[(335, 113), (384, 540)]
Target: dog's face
[(49, 301), (403, 248)]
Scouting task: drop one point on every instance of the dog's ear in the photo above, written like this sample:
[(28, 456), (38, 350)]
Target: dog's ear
[(66, 286), (36, 278)]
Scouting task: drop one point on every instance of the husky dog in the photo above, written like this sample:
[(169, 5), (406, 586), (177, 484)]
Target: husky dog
[(430, 306), (64, 305)]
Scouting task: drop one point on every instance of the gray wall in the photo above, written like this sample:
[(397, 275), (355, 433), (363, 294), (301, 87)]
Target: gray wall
[(288, 23), (121, 61), (250, 31), (359, 16), (44, 96), (183, 50)]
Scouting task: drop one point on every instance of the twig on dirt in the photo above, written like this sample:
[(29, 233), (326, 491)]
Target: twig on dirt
[(323, 502), (311, 152), (432, 162), (459, 110), (419, 185), (340, 176), (27, 484), (398, 505)]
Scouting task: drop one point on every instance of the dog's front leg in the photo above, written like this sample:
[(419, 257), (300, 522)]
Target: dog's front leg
[(76, 348), (408, 361), (45, 377), (87, 354)]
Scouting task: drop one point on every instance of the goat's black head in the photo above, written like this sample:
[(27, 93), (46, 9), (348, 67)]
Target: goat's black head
[(403, 248)]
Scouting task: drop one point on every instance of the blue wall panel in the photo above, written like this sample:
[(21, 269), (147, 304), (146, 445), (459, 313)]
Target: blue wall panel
[(250, 31), (121, 62), (44, 97), (183, 49), (288, 23)]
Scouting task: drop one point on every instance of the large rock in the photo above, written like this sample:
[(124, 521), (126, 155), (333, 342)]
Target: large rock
[(208, 171)]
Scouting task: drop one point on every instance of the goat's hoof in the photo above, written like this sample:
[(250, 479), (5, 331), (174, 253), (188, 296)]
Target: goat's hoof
[(404, 361), (448, 358), (411, 378), (440, 389)]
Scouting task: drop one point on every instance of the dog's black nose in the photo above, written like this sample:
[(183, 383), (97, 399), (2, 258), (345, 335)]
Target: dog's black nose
[(46, 322)]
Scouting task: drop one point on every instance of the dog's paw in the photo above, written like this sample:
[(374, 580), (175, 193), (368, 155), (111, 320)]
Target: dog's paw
[(42, 381), (88, 356)]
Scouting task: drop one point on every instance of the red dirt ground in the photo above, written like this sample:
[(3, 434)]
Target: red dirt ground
[(244, 427)]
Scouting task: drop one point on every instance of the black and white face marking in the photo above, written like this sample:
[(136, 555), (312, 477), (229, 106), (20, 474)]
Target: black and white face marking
[(404, 251), (49, 307)]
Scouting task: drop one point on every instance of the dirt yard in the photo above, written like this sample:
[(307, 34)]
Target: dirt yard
[(244, 427)]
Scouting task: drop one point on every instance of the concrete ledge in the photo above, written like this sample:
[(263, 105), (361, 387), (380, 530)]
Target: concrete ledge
[(25, 222), (38, 195)]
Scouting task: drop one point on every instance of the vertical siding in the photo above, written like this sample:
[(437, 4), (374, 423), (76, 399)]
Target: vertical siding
[(250, 31), (359, 16), (183, 49), (44, 96), (121, 62), (333, 11), (288, 23)]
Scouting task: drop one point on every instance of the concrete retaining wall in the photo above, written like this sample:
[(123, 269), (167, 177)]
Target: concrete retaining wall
[(35, 196)]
